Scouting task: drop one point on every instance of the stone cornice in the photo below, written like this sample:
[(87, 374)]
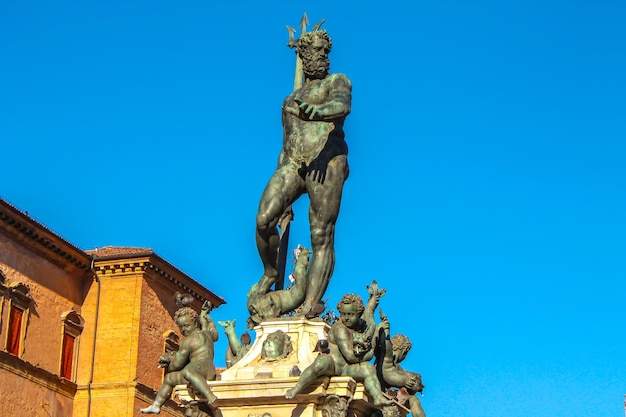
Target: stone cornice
[(36, 237), (120, 267), (27, 370), (157, 266), (142, 392), (184, 281)]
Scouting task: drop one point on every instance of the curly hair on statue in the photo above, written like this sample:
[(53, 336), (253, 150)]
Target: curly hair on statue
[(401, 342), (307, 39), (186, 311), (353, 299)]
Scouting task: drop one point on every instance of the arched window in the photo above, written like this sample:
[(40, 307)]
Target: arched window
[(19, 303), (172, 341), (73, 325)]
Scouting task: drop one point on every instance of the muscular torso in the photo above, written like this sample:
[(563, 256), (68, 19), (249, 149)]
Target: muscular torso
[(306, 140), (340, 340)]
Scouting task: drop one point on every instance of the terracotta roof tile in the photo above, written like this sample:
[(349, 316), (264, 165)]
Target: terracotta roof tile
[(111, 251)]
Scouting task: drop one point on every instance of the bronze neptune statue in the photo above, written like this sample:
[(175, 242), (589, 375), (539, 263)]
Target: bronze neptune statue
[(313, 160)]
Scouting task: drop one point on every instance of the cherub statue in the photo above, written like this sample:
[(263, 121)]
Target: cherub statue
[(237, 347), (193, 362), (390, 353), (345, 357)]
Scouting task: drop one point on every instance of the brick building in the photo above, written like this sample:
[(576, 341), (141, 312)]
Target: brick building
[(80, 331)]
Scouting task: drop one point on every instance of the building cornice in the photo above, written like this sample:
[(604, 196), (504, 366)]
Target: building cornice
[(155, 265), (40, 376), (38, 238)]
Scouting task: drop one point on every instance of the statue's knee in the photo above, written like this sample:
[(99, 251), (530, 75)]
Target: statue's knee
[(261, 220), (264, 221), (187, 374), (414, 401), (320, 366), (320, 236), (171, 378)]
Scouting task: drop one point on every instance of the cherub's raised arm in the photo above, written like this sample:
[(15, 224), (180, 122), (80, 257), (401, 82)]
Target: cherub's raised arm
[(206, 322), (233, 341)]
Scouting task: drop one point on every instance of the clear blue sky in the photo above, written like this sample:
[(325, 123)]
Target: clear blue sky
[(487, 155)]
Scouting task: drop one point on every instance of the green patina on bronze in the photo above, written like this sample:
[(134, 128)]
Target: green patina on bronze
[(313, 160), (237, 347), (193, 362), (273, 304), (390, 352), (351, 342)]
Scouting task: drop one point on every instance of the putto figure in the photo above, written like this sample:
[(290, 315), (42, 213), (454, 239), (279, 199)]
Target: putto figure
[(193, 363), (392, 351), (349, 347), (313, 160)]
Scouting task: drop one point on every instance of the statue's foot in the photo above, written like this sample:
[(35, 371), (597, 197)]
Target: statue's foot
[(263, 285), (291, 393), (304, 312), (153, 409), (211, 398), (381, 401), (253, 290)]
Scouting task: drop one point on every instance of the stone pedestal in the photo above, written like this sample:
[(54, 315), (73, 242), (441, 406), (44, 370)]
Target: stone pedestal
[(254, 386)]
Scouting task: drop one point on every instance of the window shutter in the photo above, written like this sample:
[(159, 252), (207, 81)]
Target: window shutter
[(67, 358), (15, 331)]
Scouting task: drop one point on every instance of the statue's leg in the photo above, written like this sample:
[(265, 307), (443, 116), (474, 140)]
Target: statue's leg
[(284, 188), (322, 365), (196, 373), (416, 407), (229, 357), (367, 373), (325, 201), (169, 382)]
